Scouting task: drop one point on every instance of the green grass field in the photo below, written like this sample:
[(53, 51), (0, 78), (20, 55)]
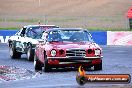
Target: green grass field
[(90, 29)]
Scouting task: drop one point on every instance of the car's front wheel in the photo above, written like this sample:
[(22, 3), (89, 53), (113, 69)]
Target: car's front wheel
[(37, 64), (47, 67), (30, 54), (13, 53)]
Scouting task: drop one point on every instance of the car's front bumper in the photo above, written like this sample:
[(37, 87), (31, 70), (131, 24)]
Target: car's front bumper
[(73, 58), (74, 61)]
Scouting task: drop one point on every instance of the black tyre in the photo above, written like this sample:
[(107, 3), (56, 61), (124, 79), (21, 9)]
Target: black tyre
[(47, 67), (98, 67), (13, 53), (30, 54), (37, 64)]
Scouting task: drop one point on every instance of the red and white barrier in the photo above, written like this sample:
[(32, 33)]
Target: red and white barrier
[(119, 38)]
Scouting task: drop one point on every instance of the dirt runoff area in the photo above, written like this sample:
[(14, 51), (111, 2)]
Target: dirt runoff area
[(109, 13)]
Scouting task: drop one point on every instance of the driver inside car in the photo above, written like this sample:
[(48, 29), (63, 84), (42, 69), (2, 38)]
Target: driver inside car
[(54, 36), (77, 36)]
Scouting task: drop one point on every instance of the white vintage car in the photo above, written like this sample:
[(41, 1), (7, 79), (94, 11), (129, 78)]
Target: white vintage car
[(25, 40)]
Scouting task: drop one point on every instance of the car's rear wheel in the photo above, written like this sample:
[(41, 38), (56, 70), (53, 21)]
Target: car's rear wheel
[(47, 67), (98, 67), (30, 54), (37, 64), (13, 53)]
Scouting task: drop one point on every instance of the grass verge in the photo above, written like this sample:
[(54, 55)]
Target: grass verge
[(108, 29), (9, 28), (90, 29)]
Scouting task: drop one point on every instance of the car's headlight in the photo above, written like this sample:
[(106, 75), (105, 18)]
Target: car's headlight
[(97, 52), (53, 52)]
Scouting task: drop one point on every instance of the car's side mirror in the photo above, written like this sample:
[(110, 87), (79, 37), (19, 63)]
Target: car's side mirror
[(22, 35)]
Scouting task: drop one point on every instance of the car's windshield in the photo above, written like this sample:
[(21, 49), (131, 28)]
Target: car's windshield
[(69, 35), (36, 32)]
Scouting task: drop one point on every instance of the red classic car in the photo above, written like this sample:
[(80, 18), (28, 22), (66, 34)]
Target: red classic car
[(67, 47)]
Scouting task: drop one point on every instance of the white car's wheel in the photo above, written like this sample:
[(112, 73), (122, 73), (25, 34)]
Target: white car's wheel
[(30, 54), (13, 53)]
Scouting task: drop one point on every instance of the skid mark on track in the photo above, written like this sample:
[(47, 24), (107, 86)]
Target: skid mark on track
[(8, 73)]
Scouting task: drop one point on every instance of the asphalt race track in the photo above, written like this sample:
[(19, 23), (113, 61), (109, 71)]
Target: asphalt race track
[(117, 60)]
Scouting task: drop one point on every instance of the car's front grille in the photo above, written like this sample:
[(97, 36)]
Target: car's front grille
[(75, 53)]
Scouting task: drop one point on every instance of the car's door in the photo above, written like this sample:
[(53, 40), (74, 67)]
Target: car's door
[(27, 39)]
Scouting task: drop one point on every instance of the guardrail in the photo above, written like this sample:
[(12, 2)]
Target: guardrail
[(5, 34), (100, 37)]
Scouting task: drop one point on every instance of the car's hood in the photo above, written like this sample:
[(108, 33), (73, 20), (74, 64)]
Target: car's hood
[(33, 41), (24, 39), (70, 45)]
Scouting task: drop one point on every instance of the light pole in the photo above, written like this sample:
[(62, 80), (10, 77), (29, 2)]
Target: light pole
[(39, 3)]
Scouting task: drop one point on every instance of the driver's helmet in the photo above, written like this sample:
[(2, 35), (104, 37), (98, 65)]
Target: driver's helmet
[(44, 35)]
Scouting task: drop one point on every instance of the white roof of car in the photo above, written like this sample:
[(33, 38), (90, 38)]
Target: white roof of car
[(37, 25), (41, 25)]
